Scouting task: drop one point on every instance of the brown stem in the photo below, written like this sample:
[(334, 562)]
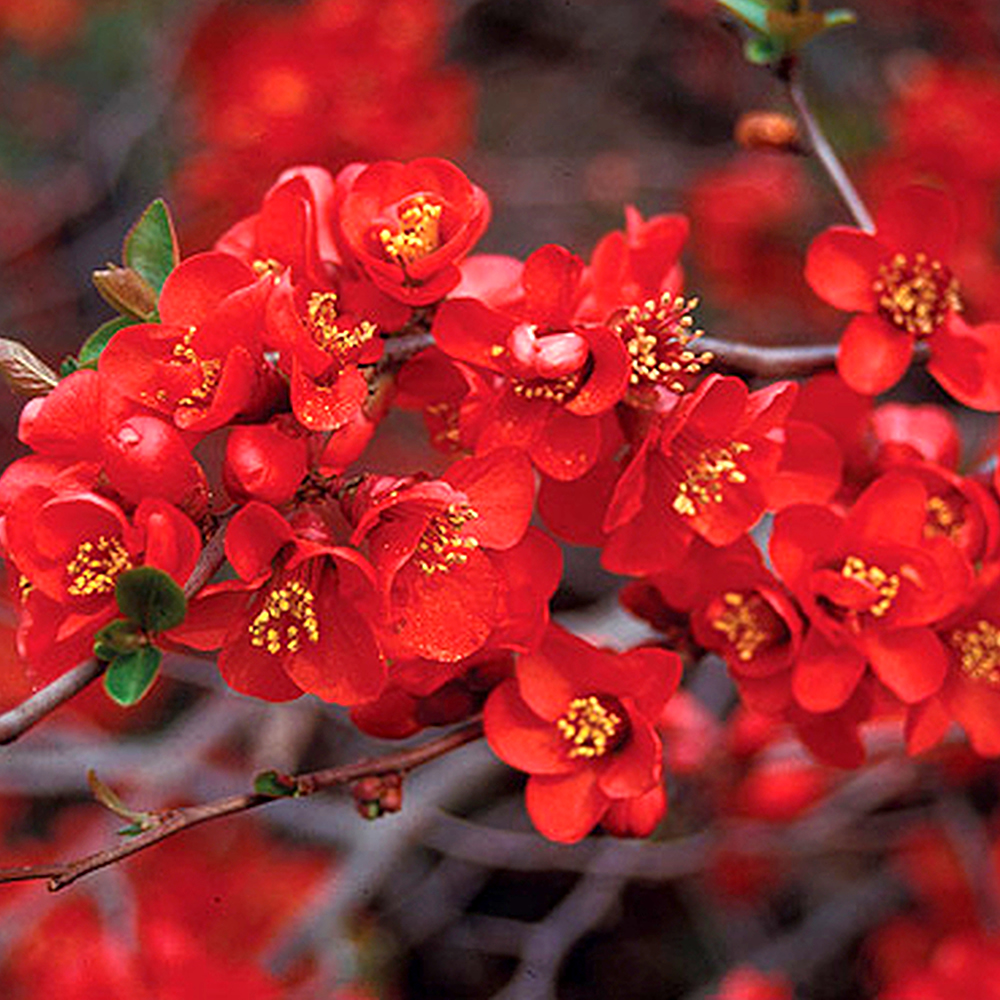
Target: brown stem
[(18, 720), (21, 718), (765, 361), (826, 154), (171, 821)]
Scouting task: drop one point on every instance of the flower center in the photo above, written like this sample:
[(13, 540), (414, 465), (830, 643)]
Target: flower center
[(210, 370), (321, 319), (267, 267), (978, 649), (555, 390), (943, 519), (748, 622), (441, 546), (419, 231), (885, 585), (593, 725), (656, 336), (703, 479), (96, 566), (287, 617), (915, 295)]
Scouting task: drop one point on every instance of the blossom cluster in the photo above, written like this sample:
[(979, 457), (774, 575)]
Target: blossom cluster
[(238, 392)]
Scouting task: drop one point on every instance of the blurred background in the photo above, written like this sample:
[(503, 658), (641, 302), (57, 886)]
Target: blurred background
[(564, 111)]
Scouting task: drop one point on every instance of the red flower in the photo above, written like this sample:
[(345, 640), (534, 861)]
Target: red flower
[(408, 225), (298, 621), (701, 470), (871, 583), (437, 547), (202, 365), (70, 549), (561, 377), (899, 281), (580, 721)]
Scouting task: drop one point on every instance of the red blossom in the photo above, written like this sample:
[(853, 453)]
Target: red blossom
[(408, 225), (580, 722), (899, 282)]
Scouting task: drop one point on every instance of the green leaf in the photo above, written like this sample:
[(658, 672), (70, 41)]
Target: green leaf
[(98, 340), (119, 636), (130, 675), (275, 785), (150, 598), (151, 245), (67, 366), (751, 12)]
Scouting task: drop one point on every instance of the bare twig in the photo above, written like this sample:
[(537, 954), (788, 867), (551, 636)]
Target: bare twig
[(171, 821), (21, 718), (826, 155)]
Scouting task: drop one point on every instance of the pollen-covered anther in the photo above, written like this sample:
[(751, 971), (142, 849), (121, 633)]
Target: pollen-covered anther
[(96, 566), (943, 518), (916, 294), (748, 623), (321, 319), (286, 620), (209, 369), (703, 480), (442, 546), (267, 267), (419, 231), (657, 335), (593, 725), (978, 650), (886, 585), (555, 390)]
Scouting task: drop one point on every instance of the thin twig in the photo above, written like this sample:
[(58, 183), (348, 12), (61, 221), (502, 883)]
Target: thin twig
[(21, 718), (171, 821), (826, 154)]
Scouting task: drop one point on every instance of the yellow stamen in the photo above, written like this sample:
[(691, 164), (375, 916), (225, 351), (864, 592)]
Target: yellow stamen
[(915, 295), (591, 727), (96, 566), (704, 478), (286, 620), (419, 231), (886, 585), (441, 547)]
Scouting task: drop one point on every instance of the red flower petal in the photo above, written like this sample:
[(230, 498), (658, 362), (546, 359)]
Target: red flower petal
[(824, 676), (565, 808), (520, 738), (841, 265), (873, 355), (911, 662)]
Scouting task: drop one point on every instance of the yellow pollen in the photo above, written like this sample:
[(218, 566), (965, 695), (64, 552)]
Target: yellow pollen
[(555, 390), (979, 652), (266, 267), (96, 566), (886, 585), (590, 727), (441, 547), (656, 335), (916, 295), (286, 620), (322, 322), (210, 370), (419, 231), (942, 519), (747, 623), (704, 478)]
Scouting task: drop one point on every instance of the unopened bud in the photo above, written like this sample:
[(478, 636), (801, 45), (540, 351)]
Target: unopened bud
[(377, 795), (768, 130)]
